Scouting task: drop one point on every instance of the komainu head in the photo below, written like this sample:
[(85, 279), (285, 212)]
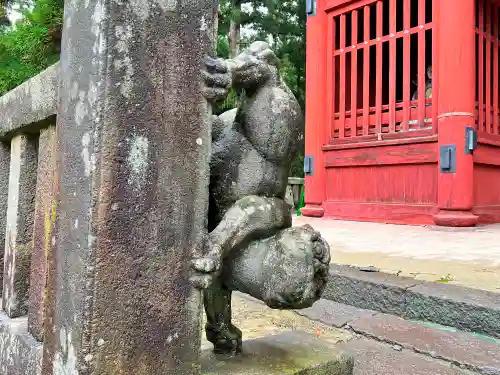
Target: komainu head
[(254, 66)]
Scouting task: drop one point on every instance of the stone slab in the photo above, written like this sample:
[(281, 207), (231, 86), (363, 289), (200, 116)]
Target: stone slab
[(377, 278), (30, 103), (20, 353), (467, 257), (459, 294), (368, 290), (461, 348), (295, 181), (333, 313), (375, 358), (257, 320), (291, 353), (452, 305)]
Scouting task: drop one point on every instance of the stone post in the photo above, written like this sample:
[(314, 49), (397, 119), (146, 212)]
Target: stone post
[(42, 226), (132, 174), (4, 199), (19, 226)]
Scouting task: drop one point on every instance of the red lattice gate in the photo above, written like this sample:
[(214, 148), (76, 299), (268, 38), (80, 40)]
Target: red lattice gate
[(392, 87)]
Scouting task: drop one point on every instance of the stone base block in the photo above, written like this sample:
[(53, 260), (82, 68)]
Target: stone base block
[(20, 353), (312, 210), (459, 219), (291, 353)]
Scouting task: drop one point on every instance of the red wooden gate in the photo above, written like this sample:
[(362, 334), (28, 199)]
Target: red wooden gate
[(371, 58), (392, 86)]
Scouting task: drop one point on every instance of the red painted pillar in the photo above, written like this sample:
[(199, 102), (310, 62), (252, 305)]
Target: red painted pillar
[(456, 106), (316, 110)]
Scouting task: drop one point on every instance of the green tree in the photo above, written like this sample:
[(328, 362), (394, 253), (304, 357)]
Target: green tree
[(4, 20), (32, 44), (283, 23)]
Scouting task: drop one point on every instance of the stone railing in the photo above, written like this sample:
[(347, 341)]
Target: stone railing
[(27, 157), (27, 171), (101, 217), (294, 191)]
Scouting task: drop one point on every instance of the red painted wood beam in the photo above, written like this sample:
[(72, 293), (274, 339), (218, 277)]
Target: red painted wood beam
[(456, 107), (316, 131)]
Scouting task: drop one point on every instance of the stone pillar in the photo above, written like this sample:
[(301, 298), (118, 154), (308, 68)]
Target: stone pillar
[(42, 228), (132, 174), (4, 198), (19, 231)]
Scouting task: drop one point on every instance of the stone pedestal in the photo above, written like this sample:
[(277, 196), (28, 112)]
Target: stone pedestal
[(291, 353)]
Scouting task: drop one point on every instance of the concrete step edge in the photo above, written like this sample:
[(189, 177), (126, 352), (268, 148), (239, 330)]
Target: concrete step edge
[(455, 306), (464, 350)]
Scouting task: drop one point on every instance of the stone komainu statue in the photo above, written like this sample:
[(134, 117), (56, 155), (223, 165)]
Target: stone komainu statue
[(252, 247)]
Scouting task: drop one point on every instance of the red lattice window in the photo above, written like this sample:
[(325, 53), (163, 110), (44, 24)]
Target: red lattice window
[(380, 67)]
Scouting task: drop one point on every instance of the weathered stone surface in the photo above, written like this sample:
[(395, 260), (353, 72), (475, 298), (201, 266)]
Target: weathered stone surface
[(293, 353), (251, 155), (20, 353), (256, 320), (251, 241), (374, 358), (464, 308), (333, 313), (464, 349), (285, 268), (295, 181), (42, 230), (368, 290), (19, 231), (133, 173), (4, 199), (297, 187), (451, 305), (30, 103)]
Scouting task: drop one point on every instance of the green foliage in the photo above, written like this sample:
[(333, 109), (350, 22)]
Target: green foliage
[(4, 20), (46, 13), (284, 22), (31, 45), (297, 167)]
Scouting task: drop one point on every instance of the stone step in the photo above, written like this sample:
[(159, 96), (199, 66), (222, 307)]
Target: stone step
[(477, 353), (375, 358), (464, 308), (292, 352), (464, 349)]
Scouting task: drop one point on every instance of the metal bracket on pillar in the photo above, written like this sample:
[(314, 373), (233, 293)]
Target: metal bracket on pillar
[(309, 165), (448, 159), (470, 140), (311, 7)]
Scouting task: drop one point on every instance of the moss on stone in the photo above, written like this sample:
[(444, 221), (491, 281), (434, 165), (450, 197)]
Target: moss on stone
[(291, 353)]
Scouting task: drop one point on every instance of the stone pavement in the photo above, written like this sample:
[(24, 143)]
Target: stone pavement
[(386, 345), (468, 257), (467, 309), (256, 320), (382, 344)]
